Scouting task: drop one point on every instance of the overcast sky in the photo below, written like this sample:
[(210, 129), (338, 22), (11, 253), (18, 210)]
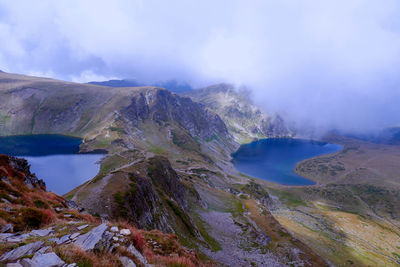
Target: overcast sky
[(326, 64)]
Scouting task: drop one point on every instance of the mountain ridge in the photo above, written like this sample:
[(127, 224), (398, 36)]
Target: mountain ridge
[(245, 121)]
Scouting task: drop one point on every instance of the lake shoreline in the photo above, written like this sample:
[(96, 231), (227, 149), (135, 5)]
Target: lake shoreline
[(274, 160)]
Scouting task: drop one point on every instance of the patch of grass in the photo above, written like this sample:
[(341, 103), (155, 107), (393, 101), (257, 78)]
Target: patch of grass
[(290, 199), (184, 141), (40, 204), (33, 218), (118, 130), (157, 150), (181, 215), (119, 198), (201, 226), (4, 119)]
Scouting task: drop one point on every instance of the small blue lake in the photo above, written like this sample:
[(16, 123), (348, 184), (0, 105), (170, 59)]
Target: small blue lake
[(275, 159), (53, 158)]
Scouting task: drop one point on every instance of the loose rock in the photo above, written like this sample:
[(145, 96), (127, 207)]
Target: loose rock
[(22, 251), (82, 227), (127, 262), (138, 255), (43, 232), (7, 228), (89, 240), (63, 239), (74, 235), (125, 232), (43, 260)]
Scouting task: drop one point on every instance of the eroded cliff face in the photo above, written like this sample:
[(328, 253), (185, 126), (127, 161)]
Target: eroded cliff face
[(245, 121), (161, 106)]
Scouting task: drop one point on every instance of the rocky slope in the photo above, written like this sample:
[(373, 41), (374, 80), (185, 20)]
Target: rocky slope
[(244, 120), (39, 228)]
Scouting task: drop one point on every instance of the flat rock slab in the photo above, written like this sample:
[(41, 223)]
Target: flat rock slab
[(74, 235), (43, 260), (137, 255), (22, 251), (44, 232), (5, 236), (89, 240), (127, 262), (63, 239), (82, 226)]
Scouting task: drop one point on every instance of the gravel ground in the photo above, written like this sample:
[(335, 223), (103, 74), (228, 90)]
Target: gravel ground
[(237, 244)]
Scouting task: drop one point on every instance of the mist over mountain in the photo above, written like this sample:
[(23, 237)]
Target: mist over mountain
[(321, 65), (171, 85)]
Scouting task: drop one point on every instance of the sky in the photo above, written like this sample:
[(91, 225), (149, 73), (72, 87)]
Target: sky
[(330, 64)]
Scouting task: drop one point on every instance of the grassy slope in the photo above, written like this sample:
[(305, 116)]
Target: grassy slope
[(352, 216)]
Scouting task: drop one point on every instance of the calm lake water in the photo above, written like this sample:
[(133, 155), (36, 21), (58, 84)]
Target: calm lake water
[(54, 159), (274, 159)]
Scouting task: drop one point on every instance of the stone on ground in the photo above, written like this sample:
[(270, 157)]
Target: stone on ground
[(22, 251), (127, 262), (43, 260), (89, 240), (137, 255), (125, 232)]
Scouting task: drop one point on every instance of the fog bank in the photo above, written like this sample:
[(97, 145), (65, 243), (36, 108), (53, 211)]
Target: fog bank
[(321, 64)]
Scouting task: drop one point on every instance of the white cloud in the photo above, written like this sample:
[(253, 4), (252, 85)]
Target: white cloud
[(322, 63)]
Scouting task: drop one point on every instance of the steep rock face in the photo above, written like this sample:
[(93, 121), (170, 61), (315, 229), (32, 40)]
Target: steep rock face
[(165, 177), (140, 204), (161, 106), (244, 120)]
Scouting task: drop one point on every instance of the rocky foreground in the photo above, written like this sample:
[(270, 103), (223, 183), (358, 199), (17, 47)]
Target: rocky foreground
[(39, 228)]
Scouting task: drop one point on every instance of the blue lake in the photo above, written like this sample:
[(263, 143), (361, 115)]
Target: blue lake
[(275, 159), (53, 158)]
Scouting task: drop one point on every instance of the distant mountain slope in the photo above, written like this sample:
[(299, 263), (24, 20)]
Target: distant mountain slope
[(245, 121), (99, 115), (389, 136), (117, 83), (170, 85)]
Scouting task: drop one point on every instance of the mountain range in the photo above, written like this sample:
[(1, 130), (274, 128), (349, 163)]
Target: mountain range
[(168, 167)]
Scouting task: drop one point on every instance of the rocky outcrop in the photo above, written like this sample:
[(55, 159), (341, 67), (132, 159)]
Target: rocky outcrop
[(21, 251), (89, 240), (166, 178), (17, 167), (40, 230), (150, 198), (123, 245), (245, 121), (43, 260), (160, 105)]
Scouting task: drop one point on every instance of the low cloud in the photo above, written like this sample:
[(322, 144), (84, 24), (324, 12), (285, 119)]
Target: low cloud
[(322, 64)]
